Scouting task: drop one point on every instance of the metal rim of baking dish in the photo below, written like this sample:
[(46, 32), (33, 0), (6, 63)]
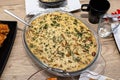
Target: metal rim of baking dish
[(55, 71), (52, 4)]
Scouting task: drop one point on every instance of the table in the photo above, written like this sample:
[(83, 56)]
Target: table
[(20, 66)]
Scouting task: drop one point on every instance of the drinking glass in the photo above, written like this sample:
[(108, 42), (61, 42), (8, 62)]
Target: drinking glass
[(104, 27)]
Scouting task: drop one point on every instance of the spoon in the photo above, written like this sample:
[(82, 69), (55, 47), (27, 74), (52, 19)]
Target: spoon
[(18, 18)]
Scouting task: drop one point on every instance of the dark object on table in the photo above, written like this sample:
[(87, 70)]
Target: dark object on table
[(52, 3), (5, 49), (95, 9)]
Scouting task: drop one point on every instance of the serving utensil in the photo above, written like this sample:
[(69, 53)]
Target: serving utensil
[(18, 18)]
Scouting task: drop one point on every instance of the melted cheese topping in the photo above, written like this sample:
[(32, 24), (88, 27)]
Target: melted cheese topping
[(61, 41)]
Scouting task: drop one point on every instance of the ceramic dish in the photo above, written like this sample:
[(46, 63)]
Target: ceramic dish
[(56, 71)]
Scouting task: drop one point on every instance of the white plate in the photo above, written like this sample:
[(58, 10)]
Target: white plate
[(33, 7), (116, 34)]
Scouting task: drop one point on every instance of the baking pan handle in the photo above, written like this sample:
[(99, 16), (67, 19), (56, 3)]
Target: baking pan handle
[(56, 70), (62, 72), (59, 71)]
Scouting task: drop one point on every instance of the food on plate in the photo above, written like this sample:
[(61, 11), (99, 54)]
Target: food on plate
[(4, 30), (61, 41), (52, 79), (2, 38)]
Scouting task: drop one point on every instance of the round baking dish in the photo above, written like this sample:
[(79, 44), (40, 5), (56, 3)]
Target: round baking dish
[(57, 71)]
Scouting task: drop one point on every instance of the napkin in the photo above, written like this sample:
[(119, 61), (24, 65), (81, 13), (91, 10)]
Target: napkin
[(90, 75), (33, 6), (116, 34)]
